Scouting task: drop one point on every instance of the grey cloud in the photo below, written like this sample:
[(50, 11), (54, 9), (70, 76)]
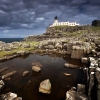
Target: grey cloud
[(32, 14)]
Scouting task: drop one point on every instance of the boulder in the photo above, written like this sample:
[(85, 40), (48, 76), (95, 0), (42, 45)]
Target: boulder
[(37, 64), (8, 96), (45, 87), (1, 84), (81, 88), (96, 23), (77, 52), (71, 95), (84, 60), (36, 68)]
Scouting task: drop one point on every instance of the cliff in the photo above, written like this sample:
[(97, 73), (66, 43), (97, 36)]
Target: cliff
[(77, 32)]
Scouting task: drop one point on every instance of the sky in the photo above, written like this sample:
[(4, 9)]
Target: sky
[(22, 18)]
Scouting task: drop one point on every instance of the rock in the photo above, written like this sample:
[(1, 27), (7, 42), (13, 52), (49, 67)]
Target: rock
[(96, 23), (26, 45), (67, 74), (23, 52), (81, 96), (9, 74), (37, 64), (77, 52), (8, 96), (84, 60), (7, 79), (1, 85), (25, 73), (68, 65), (3, 69), (81, 88), (36, 68), (71, 95), (18, 98), (98, 92), (45, 87), (58, 46)]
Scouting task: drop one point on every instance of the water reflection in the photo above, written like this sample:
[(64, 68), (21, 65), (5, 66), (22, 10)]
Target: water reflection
[(53, 69)]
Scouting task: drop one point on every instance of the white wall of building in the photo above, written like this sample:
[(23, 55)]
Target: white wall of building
[(56, 23)]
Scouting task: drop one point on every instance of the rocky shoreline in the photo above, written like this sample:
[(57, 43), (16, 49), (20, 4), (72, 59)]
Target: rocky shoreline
[(88, 52)]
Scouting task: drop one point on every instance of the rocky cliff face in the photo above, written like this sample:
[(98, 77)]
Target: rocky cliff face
[(58, 32)]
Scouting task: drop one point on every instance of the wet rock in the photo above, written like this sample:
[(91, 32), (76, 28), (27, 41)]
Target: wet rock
[(37, 64), (67, 74), (68, 65), (25, 73), (81, 97), (71, 95), (7, 79), (3, 69), (45, 87), (77, 52), (9, 96), (81, 88), (91, 83), (36, 68), (84, 60), (9, 74), (1, 85), (18, 98), (98, 92)]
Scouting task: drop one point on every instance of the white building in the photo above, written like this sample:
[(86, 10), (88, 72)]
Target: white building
[(56, 23)]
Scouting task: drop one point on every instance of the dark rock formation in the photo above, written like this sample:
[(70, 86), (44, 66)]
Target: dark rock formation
[(96, 23)]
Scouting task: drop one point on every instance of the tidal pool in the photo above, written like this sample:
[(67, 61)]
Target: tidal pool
[(53, 69)]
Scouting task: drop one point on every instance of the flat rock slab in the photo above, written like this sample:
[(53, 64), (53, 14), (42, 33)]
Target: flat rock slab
[(9, 74)]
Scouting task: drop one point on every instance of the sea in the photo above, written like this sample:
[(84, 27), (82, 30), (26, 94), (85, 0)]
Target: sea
[(9, 40)]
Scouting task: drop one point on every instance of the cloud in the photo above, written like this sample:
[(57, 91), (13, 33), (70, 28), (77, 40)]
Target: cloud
[(40, 18), (35, 14), (24, 25), (6, 31)]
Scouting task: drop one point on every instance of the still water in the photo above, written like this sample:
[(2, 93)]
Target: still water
[(52, 69)]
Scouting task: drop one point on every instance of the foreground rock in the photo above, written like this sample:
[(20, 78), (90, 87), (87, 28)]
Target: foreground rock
[(1, 85), (3, 69), (37, 64), (45, 87), (36, 68), (25, 73), (78, 94), (9, 96), (68, 65), (9, 74), (67, 74)]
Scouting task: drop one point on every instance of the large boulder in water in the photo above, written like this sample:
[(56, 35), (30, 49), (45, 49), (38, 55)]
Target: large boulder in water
[(45, 86), (36, 68)]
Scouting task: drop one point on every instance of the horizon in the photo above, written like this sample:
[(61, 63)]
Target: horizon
[(22, 18)]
